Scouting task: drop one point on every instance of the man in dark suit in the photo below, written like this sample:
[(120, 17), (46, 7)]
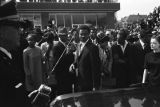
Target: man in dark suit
[(141, 47), (62, 60), (10, 90), (122, 60), (88, 63)]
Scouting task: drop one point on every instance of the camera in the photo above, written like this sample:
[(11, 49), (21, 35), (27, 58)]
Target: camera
[(44, 89), (41, 96)]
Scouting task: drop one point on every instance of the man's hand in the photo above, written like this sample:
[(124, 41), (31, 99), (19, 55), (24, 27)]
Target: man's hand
[(72, 68)]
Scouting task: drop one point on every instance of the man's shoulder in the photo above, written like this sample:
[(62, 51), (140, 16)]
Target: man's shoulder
[(38, 48), (91, 45), (57, 43), (26, 50), (137, 43), (44, 44), (115, 44)]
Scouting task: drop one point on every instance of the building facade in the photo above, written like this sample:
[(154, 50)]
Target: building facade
[(71, 13)]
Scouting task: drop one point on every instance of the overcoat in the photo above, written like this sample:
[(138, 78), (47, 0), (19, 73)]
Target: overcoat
[(89, 68), (61, 68), (9, 95), (33, 64)]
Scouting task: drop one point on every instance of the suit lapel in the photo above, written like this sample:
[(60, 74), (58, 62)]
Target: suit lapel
[(84, 48), (139, 45), (5, 58), (126, 49), (62, 45), (120, 49), (82, 51)]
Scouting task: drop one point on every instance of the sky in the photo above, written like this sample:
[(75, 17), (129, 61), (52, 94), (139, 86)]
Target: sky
[(130, 7)]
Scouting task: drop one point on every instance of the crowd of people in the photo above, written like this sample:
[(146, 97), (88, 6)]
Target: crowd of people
[(76, 59)]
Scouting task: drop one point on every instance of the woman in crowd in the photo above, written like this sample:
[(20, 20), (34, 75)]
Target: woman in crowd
[(32, 57), (152, 63)]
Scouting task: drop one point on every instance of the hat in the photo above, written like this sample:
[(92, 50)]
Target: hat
[(8, 11), (37, 31), (105, 39), (62, 31), (102, 37)]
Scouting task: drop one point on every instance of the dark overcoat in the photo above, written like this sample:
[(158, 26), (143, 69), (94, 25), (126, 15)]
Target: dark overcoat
[(62, 74), (122, 65), (9, 95), (139, 55), (89, 68)]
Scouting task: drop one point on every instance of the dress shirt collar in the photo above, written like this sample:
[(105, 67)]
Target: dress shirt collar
[(125, 44), (62, 42), (123, 47), (82, 44), (142, 43)]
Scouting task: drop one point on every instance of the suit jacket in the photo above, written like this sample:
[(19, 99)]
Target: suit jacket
[(89, 68), (122, 64), (62, 74), (139, 55), (8, 81), (65, 61)]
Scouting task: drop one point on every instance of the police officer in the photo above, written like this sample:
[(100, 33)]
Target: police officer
[(9, 39)]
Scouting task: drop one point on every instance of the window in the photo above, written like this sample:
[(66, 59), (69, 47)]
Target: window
[(91, 19), (78, 19), (67, 20), (60, 20)]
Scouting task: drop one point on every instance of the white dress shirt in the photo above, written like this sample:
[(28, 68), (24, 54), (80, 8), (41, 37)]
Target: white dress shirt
[(123, 47), (142, 43)]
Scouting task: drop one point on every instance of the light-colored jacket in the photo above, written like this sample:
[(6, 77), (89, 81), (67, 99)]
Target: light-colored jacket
[(32, 58)]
